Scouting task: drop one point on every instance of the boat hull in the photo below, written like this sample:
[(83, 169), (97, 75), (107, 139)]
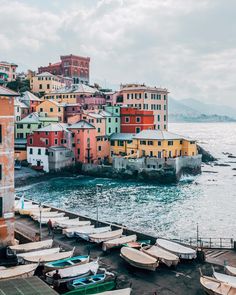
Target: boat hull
[(151, 267), (54, 265), (100, 287), (27, 271)]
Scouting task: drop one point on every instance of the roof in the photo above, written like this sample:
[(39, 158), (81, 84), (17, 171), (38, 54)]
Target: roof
[(106, 114), (45, 74), (58, 148), (76, 88), (31, 118), (53, 127), (7, 92), (122, 136), (127, 87), (95, 115), (19, 103), (27, 95), (157, 134), (81, 125), (55, 102)]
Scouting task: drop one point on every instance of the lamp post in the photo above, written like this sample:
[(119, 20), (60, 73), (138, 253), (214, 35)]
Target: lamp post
[(98, 190), (40, 220)]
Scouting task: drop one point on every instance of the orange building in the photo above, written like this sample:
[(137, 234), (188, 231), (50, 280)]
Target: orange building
[(51, 108), (6, 166)]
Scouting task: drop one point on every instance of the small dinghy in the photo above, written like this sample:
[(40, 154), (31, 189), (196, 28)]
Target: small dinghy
[(69, 223), (231, 280), (20, 271), (51, 214), (103, 237), (91, 285), (138, 244), (214, 287), (21, 248), (118, 242), (230, 270), (50, 257), (73, 272), (71, 231), (27, 206), (162, 255), (181, 251), (85, 233), (23, 256), (53, 220), (32, 211), (63, 263), (138, 259)]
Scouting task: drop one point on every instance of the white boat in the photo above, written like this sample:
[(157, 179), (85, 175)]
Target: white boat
[(126, 291), (26, 206), (38, 253), (32, 246), (118, 242), (231, 280), (53, 219), (230, 270), (178, 249), (85, 233), (138, 259), (214, 287), (162, 255), (50, 214), (103, 237), (31, 211), (71, 231), (73, 272), (50, 257), (20, 271), (75, 222)]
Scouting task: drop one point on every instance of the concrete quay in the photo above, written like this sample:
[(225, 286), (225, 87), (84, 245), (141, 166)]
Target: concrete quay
[(184, 280)]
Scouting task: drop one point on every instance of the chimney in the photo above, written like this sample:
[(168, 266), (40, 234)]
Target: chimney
[(50, 64)]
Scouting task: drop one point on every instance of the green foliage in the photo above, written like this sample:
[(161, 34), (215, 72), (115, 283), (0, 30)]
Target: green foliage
[(19, 86)]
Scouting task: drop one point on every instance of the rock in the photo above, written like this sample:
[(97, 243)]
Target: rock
[(206, 156)]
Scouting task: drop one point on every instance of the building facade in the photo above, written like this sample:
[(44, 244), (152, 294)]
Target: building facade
[(133, 120), (6, 166), (46, 83), (7, 72), (73, 66), (51, 108)]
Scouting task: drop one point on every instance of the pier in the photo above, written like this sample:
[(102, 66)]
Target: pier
[(184, 280)]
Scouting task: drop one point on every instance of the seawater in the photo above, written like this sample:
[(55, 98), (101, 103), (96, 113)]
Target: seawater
[(171, 211)]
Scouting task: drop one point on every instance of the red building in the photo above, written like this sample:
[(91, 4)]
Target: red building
[(134, 120), (73, 66)]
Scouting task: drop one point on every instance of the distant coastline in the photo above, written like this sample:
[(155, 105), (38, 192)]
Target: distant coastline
[(179, 118)]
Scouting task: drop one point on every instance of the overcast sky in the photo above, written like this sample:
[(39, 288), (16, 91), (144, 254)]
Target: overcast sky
[(188, 46)]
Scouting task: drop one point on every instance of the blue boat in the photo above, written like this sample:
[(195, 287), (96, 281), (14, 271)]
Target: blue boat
[(68, 262)]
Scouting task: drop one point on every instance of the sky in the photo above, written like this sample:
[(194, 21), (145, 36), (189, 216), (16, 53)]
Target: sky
[(187, 46)]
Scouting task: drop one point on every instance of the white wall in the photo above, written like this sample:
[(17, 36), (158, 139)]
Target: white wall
[(34, 157)]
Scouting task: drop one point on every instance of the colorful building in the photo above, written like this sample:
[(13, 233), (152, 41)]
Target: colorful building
[(146, 98), (32, 122), (84, 142), (7, 193), (51, 108), (31, 100), (74, 66), (45, 83), (112, 115), (21, 110), (7, 72), (134, 120)]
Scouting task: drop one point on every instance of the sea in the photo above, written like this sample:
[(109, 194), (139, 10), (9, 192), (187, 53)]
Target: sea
[(206, 201)]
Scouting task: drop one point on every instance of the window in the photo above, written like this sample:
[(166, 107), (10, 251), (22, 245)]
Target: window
[(170, 154), (112, 142), (31, 151), (120, 143), (59, 109), (138, 120), (158, 118), (39, 151), (150, 142), (116, 120), (159, 143), (41, 109), (146, 96), (99, 130), (181, 142), (31, 141), (55, 132), (143, 142), (20, 126), (109, 120), (48, 86), (170, 142), (62, 141), (192, 142), (164, 117), (78, 151), (0, 172), (0, 134), (159, 155), (78, 141), (1, 205), (51, 110), (56, 141), (109, 130), (46, 141), (137, 129), (116, 130), (151, 153), (127, 119), (40, 86), (46, 152), (99, 148)]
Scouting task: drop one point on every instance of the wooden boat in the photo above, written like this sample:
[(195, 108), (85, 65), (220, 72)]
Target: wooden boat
[(53, 220), (21, 248), (231, 280), (73, 272), (118, 242), (138, 244), (181, 251), (26, 206), (214, 287), (75, 222), (68, 262), (138, 259), (51, 214), (91, 285), (50, 257), (27, 255), (103, 237), (126, 291), (230, 270), (85, 233), (20, 271), (31, 211), (71, 232), (162, 255)]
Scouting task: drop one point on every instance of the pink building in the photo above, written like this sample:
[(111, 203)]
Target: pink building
[(71, 110)]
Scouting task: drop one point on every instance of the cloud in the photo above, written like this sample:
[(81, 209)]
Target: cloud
[(187, 46)]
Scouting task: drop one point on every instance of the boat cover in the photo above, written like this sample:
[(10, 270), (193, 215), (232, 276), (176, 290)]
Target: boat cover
[(39, 253), (47, 214), (85, 234), (17, 271), (32, 211), (225, 278), (102, 237), (118, 242), (53, 219), (180, 250), (50, 257), (69, 223), (137, 256), (32, 246), (69, 232)]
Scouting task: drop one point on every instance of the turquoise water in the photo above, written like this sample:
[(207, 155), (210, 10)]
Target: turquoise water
[(170, 211)]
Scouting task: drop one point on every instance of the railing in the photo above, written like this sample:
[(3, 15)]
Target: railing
[(222, 243)]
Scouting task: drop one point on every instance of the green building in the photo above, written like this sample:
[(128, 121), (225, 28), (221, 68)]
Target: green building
[(112, 115)]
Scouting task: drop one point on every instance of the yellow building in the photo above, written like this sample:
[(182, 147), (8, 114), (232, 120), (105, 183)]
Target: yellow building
[(152, 143), (51, 108), (45, 83)]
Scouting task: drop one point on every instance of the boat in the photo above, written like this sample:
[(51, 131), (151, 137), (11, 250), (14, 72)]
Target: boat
[(26, 206), (19, 271), (74, 272), (69, 223), (162, 255), (213, 286), (181, 251), (138, 259), (31, 211), (23, 256), (63, 263), (45, 220), (50, 257), (91, 285), (103, 237), (138, 244), (126, 291), (230, 270), (231, 280), (118, 242), (51, 214), (85, 233), (21, 248), (71, 232)]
